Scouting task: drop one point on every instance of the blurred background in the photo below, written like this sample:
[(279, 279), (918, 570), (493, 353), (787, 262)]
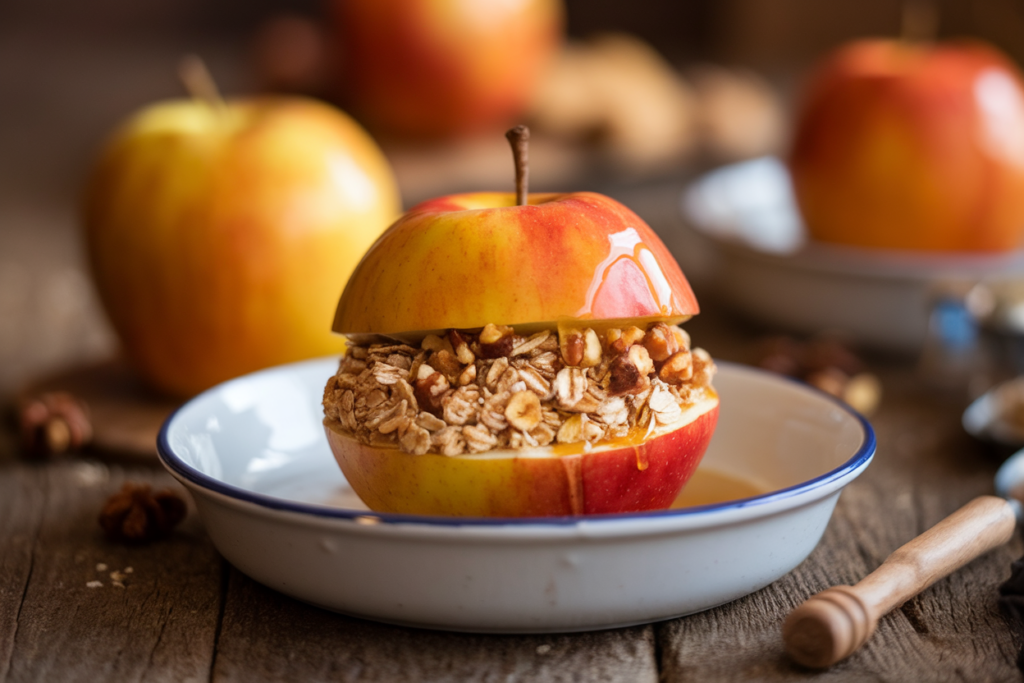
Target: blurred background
[(70, 71)]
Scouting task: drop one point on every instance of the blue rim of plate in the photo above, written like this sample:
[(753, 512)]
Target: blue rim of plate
[(860, 459)]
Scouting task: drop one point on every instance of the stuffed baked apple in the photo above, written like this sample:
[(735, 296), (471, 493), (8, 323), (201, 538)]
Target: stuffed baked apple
[(513, 359)]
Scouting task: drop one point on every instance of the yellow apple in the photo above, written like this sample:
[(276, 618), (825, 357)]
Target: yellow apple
[(912, 146), (559, 261), (435, 68), (220, 236)]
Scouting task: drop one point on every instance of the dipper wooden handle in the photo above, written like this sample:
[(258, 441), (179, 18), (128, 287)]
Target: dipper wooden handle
[(833, 624)]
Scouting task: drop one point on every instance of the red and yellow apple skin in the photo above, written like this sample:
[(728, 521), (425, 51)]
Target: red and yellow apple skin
[(464, 261), (439, 68), (913, 147), (220, 238), (609, 479)]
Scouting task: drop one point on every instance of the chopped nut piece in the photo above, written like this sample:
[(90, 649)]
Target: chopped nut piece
[(625, 376), (660, 342), (632, 335), (677, 369), (495, 341), (639, 357), (446, 363), (461, 346), (592, 351), (468, 376), (137, 513), (572, 346), (612, 338), (430, 390), (493, 333), (434, 343), (523, 410), (682, 337)]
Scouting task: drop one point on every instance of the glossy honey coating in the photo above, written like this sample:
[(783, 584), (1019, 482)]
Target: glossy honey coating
[(467, 260)]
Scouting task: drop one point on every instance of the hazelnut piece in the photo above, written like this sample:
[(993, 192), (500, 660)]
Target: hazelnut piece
[(523, 410)]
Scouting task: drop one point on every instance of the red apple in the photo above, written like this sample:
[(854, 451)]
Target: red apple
[(220, 236), (552, 481), (467, 260), (912, 146), (578, 263), (436, 68)]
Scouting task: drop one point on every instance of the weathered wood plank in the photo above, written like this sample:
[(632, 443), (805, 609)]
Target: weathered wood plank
[(925, 469), (21, 505), (267, 636), (159, 627)]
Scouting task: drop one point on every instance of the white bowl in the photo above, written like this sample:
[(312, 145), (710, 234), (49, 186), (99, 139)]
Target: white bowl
[(254, 456), (752, 245)]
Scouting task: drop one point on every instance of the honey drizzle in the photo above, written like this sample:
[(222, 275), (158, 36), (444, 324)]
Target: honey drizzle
[(628, 244), (573, 466), (641, 457)]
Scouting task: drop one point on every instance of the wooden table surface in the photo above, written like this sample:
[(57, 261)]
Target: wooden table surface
[(184, 614)]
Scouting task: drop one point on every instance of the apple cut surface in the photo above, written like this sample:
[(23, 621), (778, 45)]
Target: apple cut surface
[(618, 476), (464, 261)]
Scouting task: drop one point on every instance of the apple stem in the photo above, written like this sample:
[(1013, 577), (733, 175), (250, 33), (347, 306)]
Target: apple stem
[(519, 138), (920, 21), (198, 82)]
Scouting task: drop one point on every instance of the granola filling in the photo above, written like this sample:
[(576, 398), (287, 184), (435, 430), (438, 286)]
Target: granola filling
[(476, 392)]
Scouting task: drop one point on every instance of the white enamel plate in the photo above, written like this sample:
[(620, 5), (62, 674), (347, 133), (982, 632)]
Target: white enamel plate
[(254, 456)]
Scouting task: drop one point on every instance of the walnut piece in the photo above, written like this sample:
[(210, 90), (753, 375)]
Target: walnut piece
[(496, 341), (138, 514)]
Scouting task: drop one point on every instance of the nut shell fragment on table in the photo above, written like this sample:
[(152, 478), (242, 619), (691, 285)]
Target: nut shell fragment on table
[(825, 363), (138, 514)]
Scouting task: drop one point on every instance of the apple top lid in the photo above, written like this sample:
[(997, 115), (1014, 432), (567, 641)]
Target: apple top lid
[(464, 261)]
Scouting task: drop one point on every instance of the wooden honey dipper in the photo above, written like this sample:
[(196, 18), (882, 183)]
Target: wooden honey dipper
[(832, 625)]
